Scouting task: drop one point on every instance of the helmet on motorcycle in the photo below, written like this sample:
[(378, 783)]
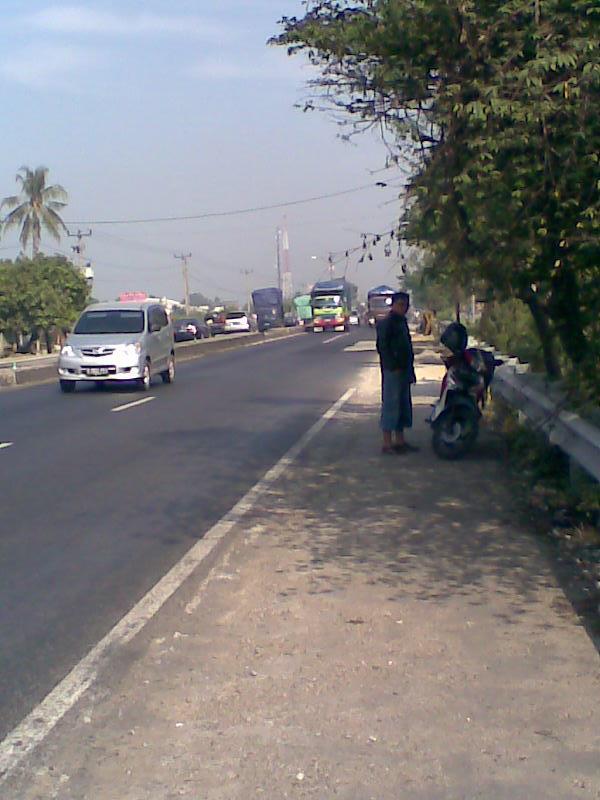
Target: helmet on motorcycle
[(455, 337)]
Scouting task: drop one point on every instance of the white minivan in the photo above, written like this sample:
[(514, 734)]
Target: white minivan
[(118, 342)]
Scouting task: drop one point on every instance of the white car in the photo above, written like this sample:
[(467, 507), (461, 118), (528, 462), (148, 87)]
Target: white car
[(237, 322), (354, 318), (118, 342)]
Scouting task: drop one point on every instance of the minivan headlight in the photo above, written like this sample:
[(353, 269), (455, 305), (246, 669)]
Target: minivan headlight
[(67, 351), (132, 350)]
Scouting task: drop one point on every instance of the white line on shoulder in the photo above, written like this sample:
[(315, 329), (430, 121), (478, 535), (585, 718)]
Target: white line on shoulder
[(4, 445), (29, 733)]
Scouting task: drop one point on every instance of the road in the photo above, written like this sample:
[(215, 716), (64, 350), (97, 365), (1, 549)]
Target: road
[(98, 505), (374, 626)]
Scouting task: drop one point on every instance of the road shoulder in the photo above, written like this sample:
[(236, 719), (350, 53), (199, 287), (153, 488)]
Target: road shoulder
[(375, 630)]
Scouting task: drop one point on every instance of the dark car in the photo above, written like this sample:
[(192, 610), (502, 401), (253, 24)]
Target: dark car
[(215, 322), (190, 328)]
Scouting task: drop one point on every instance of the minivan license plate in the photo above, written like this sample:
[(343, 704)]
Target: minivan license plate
[(97, 371)]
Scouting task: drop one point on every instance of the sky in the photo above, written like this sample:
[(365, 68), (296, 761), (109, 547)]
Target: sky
[(159, 109)]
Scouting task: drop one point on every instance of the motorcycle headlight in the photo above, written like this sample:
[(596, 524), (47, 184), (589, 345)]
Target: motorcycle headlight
[(67, 351)]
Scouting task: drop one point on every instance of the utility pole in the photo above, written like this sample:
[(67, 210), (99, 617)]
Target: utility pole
[(79, 249), (278, 250), (286, 279), (247, 273), (183, 257), (331, 267)]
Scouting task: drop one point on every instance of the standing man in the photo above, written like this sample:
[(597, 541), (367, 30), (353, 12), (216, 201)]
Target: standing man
[(396, 357)]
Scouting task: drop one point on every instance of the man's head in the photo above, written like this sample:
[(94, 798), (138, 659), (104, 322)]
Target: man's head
[(400, 303)]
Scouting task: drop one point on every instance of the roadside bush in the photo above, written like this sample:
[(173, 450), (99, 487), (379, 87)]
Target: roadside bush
[(509, 327), (544, 470)]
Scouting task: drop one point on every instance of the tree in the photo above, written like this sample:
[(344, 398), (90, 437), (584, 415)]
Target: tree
[(36, 207), (199, 299), (42, 294), (493, 108)]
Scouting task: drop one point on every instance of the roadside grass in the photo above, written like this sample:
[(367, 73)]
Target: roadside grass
[(551, 482), (562, 501)]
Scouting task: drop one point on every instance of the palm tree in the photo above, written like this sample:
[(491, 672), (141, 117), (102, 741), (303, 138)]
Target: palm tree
[(36, 207)]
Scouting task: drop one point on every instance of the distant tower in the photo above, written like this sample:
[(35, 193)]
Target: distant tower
[(287, 285)]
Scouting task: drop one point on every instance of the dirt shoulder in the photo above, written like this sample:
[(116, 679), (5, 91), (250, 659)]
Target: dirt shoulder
[(381, 627)]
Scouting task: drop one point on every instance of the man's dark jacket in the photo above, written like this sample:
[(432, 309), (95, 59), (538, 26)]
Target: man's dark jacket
[(394, 345)]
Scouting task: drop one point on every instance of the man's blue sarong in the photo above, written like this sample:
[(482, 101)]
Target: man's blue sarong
[(396, 403)]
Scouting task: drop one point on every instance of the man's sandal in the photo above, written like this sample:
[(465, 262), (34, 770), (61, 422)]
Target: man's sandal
[(406, 448)]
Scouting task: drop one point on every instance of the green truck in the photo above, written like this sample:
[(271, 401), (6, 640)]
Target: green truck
[(331, 302), (304, 310)]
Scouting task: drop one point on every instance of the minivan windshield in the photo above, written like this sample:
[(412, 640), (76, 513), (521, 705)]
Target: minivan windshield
[(117, 321)]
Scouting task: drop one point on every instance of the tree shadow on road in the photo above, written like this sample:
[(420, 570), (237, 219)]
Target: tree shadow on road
[(423, 528)]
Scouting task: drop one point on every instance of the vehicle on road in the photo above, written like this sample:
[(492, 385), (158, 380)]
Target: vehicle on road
[(236, 322), (290, 319), (455, 416), (118, 342), (354, 318), (189, 328), (304, 311), (215, 322), (330, 302), (379, 301), (268, 305)]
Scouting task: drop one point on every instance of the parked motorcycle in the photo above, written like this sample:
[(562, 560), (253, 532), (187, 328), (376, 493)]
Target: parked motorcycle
[(455, 416)]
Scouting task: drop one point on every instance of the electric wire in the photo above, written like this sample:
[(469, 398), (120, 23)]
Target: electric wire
[(229, 213)]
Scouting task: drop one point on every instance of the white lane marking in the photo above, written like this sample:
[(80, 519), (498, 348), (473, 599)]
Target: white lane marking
[(4, 445), (116, 409), (335, 338), (267, 341), (362, 346), (29, 733)]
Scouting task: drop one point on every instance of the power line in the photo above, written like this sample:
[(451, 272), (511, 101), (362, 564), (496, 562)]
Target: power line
[(203, 281), (139, 245), (113, 265), (231, 213)]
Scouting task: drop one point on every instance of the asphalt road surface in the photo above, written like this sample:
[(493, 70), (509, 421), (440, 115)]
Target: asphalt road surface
[(97, 505)]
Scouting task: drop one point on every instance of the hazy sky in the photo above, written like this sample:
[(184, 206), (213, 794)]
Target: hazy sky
[(155, 108)]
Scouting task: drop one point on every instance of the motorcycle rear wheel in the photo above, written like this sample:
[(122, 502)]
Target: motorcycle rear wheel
[(454, 434)]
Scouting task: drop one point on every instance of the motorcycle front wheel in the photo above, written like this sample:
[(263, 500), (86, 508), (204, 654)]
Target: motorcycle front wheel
[(455, 433)]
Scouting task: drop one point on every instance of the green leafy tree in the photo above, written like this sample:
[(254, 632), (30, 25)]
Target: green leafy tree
[(492, 107), (36, 207), (43, 294)]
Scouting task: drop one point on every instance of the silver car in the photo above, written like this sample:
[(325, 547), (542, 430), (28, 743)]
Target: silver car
[(118, 342)]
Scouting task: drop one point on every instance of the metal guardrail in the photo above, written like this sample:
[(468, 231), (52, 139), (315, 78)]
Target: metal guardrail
[(565, 429), (576, 437)]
